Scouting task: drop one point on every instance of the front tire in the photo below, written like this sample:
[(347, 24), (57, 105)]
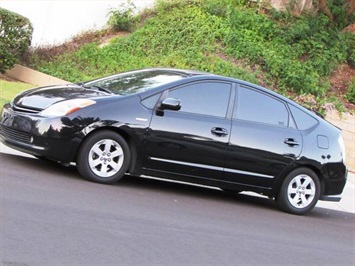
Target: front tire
[(299, 192), (104, 157)]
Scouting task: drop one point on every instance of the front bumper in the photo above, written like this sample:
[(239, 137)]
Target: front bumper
[(54, 138)]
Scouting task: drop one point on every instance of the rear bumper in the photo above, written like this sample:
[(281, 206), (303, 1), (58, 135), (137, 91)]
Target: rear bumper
[(334, 198)]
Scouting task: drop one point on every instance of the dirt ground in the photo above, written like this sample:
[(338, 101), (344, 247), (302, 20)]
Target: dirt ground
[(340, 80)]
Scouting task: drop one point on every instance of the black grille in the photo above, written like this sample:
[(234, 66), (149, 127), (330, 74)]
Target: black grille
[(13, 134)]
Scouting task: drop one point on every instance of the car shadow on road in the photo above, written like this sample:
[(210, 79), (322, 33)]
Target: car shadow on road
[(165, 187)]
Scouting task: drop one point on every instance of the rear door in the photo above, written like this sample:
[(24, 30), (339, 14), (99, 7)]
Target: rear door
[(192, 141), (264, 139)]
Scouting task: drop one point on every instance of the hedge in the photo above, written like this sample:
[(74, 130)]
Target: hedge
[(15, 38)]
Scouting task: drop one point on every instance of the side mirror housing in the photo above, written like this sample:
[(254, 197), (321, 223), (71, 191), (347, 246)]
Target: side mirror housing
[(171, 104)]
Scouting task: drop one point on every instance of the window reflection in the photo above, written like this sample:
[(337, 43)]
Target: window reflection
[(135, 82)]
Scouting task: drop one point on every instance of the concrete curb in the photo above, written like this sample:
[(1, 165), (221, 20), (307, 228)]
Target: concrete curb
[(33, 77)]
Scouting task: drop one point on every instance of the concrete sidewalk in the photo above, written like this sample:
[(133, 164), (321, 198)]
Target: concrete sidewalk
[(347, 203)]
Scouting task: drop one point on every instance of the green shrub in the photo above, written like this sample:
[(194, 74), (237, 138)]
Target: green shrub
[(123, 18), (351, 51), (16, 35), (350, 94)]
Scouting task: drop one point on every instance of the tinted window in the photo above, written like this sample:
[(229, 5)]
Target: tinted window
[(206, 98), (258, 107), (303, 120), (137, 81)]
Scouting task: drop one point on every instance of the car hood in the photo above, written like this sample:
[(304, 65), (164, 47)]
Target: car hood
[(43, 97)]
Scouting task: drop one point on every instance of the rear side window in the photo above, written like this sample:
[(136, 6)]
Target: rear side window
[(255, 106), (303, 120)]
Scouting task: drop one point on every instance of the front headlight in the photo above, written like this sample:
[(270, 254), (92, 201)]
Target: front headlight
[(342, 147), (66, 107)]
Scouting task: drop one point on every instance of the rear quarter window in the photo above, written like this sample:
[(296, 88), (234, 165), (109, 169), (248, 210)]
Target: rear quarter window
[(303, 120)]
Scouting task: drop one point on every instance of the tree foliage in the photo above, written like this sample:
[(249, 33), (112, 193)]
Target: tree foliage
[(15, 38), (340, 12)]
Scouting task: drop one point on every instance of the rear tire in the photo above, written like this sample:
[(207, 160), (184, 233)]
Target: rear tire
[(299, 192), (104, 157)]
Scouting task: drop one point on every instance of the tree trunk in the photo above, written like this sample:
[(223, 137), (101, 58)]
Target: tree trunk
[(323, 6), (350, 6)]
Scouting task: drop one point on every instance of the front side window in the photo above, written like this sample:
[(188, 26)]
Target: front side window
[(204, 98), (255, 106)]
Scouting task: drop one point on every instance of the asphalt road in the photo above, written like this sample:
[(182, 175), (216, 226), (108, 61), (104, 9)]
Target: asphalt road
[(50, 216)]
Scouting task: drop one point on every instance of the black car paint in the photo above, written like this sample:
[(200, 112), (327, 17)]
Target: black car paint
[(251, 156)]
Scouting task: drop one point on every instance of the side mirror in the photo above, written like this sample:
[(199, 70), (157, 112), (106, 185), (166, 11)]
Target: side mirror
[(171, 104)]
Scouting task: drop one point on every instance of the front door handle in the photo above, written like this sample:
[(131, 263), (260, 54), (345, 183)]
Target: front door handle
[(291, 142), (220, 132)]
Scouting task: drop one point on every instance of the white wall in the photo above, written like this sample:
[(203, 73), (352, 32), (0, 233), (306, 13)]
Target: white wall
[(55, 21)]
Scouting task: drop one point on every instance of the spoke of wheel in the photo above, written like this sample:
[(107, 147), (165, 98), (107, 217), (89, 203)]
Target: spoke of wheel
[(292, 190), (304, 201), (295, 200), (96, 150), (311, 191), (116, 166), (298, 181), (117, 153), (307, 181), (108, 145), (94, 162), (103, 170)]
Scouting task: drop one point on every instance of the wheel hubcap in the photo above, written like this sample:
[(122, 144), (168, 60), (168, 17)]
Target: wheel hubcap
[(301, 191), (106, 158)]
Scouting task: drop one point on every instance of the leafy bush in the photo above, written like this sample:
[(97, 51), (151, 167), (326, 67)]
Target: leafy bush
[(122, 19), (16, 35), (350, 95)]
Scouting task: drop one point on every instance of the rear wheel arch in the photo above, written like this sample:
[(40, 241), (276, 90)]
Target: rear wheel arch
[(300, 190), (280, 179)]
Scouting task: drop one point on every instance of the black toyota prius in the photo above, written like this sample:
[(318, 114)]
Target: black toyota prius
[(183, 125)]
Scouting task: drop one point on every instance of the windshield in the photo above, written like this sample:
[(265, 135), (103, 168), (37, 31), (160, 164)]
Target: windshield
[(134, 82)]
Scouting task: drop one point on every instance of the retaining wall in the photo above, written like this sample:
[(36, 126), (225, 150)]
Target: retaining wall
[(347, 123)]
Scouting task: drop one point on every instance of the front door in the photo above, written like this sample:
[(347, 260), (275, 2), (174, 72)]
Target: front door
[(192, 141)]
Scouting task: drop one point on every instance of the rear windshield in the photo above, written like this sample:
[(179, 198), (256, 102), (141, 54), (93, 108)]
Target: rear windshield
[(137, 81)]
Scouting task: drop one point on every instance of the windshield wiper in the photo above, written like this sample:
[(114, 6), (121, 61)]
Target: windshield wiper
[(95, 87)]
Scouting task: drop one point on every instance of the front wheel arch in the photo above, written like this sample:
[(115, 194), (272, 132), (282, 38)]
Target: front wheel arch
[(88, 160)]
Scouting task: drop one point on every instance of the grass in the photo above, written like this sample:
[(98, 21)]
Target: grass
[(9, 89)]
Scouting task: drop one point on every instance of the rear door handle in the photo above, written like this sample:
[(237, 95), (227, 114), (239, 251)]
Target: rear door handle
[(291, 142), (220, 132)]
